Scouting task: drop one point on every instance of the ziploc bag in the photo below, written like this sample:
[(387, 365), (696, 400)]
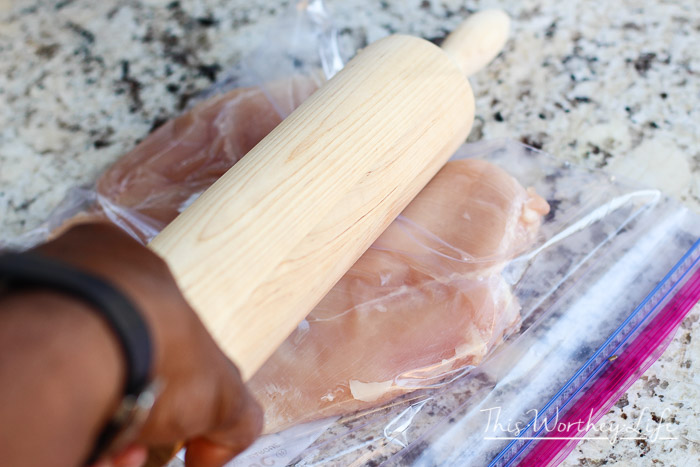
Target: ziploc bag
[(585, 287), (615, 270)]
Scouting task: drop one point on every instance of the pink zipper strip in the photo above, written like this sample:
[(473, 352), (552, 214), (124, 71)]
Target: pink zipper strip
[(623, 370)]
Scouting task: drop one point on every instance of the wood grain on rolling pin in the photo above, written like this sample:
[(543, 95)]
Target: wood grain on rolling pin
[(400, 104), (366, 210), (322, 257)]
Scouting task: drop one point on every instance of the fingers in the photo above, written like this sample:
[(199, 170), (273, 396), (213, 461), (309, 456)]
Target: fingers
[(237, 421), (133, 456), (220, 446), (206, 404)]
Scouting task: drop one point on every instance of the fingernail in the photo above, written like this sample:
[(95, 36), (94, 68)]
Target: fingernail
[(134, 456)]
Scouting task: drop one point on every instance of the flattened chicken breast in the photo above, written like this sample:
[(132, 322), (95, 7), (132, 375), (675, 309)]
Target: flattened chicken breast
[(426, 302), (148, 187)]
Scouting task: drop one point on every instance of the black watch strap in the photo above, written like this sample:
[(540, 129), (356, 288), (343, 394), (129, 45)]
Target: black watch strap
[(32, 270)]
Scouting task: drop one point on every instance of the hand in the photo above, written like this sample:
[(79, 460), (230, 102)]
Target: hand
[(203, 399)]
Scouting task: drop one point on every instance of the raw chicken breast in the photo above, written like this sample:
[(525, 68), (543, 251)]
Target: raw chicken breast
[(472, 212), (424, 304), (148, 187)]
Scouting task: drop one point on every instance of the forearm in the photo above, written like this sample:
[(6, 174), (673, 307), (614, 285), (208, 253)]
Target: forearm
[(61, 374)]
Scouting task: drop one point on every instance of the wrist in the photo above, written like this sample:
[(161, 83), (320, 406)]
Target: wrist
[(65, 374)]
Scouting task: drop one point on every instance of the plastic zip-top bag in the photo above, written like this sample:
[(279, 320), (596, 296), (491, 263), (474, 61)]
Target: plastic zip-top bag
[(514, 294), (600, 294)]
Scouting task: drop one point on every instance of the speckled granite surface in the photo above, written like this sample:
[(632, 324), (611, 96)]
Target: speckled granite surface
[(614, 85)]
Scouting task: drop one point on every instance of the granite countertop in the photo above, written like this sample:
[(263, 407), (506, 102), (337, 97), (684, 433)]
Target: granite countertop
[(611, 85)]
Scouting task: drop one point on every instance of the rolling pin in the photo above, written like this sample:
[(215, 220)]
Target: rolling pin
[(367, 210), (261, 247)]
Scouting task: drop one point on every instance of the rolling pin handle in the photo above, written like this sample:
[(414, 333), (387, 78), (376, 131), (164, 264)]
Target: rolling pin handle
[(478, 40)]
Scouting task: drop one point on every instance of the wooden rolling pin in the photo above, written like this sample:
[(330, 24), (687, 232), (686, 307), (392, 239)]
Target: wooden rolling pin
[(265, 243), (366, 211)]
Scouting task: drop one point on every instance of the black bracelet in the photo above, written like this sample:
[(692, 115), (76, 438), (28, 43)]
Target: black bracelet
[(21, 271)]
